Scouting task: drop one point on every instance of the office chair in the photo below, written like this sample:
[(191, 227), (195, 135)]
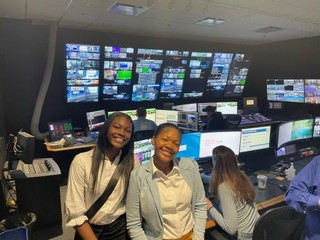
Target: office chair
[(281, 223), (143, 134), (232, 121), (20, 233)]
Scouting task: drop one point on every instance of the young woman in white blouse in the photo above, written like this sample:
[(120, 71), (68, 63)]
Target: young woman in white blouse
[(232, 189)]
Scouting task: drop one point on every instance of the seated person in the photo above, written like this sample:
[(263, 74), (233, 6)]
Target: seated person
[(215, 120), (233, 191), (142, 123)]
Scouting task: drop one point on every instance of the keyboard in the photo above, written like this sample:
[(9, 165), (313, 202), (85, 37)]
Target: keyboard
[(205, 166)]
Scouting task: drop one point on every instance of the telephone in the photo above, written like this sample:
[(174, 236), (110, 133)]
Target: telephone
[(68, 141)]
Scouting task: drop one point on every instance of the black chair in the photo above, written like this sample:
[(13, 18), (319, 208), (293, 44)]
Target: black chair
[(281, 223), (143, 134), (232, 121)]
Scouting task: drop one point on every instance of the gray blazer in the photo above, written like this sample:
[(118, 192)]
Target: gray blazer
[(143, 205)]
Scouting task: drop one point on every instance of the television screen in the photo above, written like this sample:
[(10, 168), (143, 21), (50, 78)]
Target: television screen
[(163, 116), (145, 92), (218, 77), (188, 120), (237, 75), (174, 72), (82, 72), (249, 102), (26, 150), (189, 146), (316, 127), (96, 119), (294, 130), (117, 73), (189, 107), (199, 66), (116, 52), (255, 138), (58, 129), (286, 90), (223, 107), (143, 150), (312, 91), (210, 140)]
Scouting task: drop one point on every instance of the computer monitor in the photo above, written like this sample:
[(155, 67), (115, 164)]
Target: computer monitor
[(223, 107), (59, 129), (190, 145), (143, 150), (25, 149), (188, 120), (210, 140), (294, 130), (255, 138), (316, 127), (163, 116), (189, 107), (249, 102), (96, 119)]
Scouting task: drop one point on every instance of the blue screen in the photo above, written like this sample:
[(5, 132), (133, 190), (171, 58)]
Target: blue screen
[(190, 145)]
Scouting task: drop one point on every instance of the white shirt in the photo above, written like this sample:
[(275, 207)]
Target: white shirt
[(80, 197), (175, 196)]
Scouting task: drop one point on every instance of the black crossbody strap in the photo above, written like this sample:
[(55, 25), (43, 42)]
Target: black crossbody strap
[(105, 195)]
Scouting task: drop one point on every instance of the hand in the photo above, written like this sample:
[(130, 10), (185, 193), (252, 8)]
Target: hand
[(209, 204)]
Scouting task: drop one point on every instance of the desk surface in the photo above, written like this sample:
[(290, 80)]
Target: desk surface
[(78, 145), (272, 194)]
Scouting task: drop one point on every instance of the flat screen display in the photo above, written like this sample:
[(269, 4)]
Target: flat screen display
[(96, 119), (174, 72), (190, 145), (59, 129), (255, 138), (189, 107), (188, 120), (218, 77), (285, 90), (82, 72), (164, 116), (151, 113), (237, 75), (210, 140), (143, 150), (316, 127), (294, 130), (312, 91), (199, 66)]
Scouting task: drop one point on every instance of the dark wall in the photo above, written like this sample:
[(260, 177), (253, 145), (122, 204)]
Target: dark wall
[(296, 59), (23, 53)]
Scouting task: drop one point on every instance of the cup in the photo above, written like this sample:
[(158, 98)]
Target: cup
[(262, 181)]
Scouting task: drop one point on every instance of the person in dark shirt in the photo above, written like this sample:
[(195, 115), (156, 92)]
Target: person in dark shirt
[(215, 120)]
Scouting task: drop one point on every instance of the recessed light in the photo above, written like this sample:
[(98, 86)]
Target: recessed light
[(127, 9), (211, 21)]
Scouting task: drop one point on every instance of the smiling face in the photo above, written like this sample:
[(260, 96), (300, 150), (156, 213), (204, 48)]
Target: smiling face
[(120, 132), (166, 144)]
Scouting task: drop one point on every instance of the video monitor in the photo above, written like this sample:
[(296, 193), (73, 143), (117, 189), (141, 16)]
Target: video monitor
[(96, 119), (61, 128), (164, 116), (141, 93), (143, 150), (199, 65), (116, 52), (218, 77), (82, 94), (115, 92), (255, 138), (189, 107), (249, 102), (25, 142), (174, 72), (286, 90), (316, 127), (188, 121), (294, 130), (190, 145), (210, 140), (237, 78), (312, 91), (82, 72)]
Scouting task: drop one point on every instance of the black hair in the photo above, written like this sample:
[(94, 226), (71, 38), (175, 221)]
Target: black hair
[(162, 126), (103, 144), (141, 112)]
